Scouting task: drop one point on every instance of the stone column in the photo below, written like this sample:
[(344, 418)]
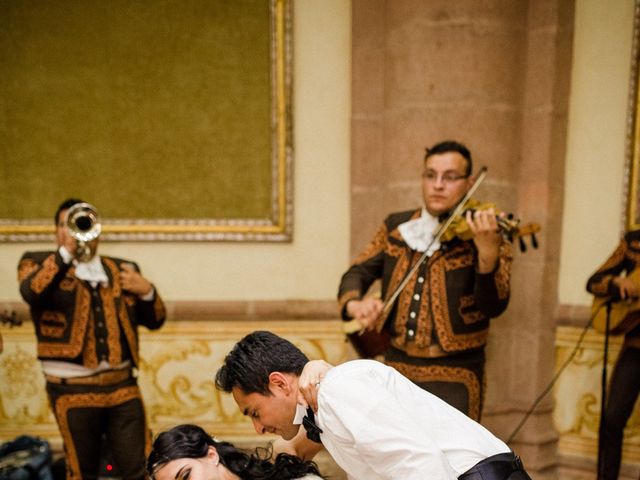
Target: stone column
[(495, 76)]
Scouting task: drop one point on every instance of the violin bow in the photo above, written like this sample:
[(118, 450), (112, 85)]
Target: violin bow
[(443, 228)]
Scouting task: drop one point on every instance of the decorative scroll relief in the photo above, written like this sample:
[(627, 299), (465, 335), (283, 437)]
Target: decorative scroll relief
[(176, 375), (577, 396)]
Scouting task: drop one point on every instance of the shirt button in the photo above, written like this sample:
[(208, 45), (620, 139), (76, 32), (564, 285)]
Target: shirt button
[(420, 279), (416, 297), (412, 314), (100, 324), (101, 340), (98, 309), (411, 332)]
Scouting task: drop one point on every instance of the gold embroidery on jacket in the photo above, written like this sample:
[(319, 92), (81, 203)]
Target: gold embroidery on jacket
[(439, 306), (439, 373), (395, 249), (89, 353), (112, 322), (42, 279), (460, 257), (129, 332), (112, 325), (399, 271), (78, 328), (87, 400), (26, 267), (503, 275), (468, 311), (375, 247), (69, 284), (52, 323)]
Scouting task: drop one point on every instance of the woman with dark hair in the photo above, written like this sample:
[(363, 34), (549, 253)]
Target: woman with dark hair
[(187, 452)]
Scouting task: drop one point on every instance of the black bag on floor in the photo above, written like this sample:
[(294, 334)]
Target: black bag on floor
[(25, 458)]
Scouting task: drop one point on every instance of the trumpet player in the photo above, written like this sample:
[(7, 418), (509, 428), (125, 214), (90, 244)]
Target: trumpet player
[(86, 308)]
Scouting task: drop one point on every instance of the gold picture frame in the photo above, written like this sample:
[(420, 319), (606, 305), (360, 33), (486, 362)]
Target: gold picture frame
[(273, 223), (632, 168)]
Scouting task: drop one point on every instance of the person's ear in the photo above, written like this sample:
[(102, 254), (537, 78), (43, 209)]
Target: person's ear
[(278, 381), (212, 455)]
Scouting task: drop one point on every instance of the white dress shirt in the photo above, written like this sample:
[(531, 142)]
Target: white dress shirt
[(378, 425)]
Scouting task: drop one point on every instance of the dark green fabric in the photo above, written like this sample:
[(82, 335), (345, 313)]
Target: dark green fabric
[(150, 109)]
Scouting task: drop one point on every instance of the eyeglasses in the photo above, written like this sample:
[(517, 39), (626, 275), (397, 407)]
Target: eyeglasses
[(446, 177)]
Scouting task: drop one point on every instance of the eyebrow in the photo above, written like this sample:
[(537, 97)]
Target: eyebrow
[(179, 472)]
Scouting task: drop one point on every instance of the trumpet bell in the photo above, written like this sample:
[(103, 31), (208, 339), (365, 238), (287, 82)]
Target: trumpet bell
[(83, 222)]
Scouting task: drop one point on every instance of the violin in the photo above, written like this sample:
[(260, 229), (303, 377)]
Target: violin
[(508, 225)]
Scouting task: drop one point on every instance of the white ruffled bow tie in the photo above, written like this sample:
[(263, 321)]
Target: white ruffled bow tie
[(418, 233), (92, 271)]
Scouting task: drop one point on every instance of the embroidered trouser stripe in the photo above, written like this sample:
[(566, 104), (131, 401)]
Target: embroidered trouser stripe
[(83, 413)]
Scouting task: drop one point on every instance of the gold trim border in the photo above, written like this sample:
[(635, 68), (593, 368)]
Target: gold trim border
[(632, 164), (277, 228)]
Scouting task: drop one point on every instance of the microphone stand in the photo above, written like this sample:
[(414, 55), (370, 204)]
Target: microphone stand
[(603, 402)]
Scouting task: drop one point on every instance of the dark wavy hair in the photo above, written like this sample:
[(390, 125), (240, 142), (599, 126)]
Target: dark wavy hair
[(191, 441), (450, 146), (254, 358), (65, 205)]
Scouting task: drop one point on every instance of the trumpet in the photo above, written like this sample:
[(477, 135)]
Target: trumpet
[(83, 223)]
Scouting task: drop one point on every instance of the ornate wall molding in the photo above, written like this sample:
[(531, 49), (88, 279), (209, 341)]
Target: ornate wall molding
[(577, 395), (176, 374)]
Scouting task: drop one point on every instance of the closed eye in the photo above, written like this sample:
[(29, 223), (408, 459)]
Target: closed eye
[(183, 474)]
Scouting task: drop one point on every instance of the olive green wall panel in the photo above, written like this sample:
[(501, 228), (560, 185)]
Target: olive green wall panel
[(172, 117)]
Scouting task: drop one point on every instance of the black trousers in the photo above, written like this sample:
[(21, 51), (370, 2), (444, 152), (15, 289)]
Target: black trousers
[(87, 415), (504, 466), (623, 392)]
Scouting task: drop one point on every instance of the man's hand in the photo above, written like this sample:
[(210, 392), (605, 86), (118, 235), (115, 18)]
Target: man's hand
[(133, 282), (309, 381), (365, 311), (627, 287), (484, 225), (68, 242)]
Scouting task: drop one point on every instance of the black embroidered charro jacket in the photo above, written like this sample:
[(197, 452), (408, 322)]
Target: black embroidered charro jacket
[(625, 259), (77, 323), (446, 306)]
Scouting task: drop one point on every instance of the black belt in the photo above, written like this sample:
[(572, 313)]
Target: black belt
[(496, 467)]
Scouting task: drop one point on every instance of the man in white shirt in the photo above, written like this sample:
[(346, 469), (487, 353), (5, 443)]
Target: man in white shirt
[(374, 422), (86, 309)]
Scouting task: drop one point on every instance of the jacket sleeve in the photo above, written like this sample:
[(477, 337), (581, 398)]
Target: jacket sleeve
[(492, 290), (150, 313), (40, 279), (367, 268), (600, 283)]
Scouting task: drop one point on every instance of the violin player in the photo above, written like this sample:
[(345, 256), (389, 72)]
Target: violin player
[(439, 323)]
